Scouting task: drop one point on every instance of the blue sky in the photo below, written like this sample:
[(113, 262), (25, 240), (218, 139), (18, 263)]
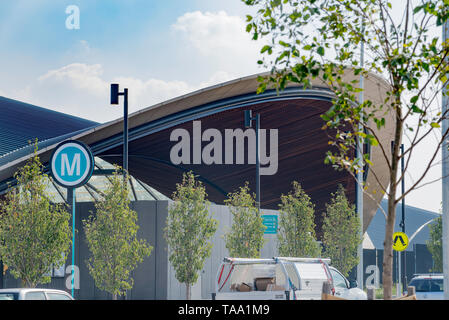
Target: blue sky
[(158, 49), (182, 45)]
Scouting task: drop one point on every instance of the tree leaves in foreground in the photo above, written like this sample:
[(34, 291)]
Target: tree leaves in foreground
[(111, 235), (34, 232), (245, 239), (189, 230), (320, 41), (296, 236), (341, 237)]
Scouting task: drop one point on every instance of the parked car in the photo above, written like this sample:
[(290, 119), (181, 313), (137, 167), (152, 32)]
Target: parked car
[(428, 286), (34, 294), (344, 288), (280, 278)]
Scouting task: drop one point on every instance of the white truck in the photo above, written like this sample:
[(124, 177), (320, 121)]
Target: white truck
[(278, 278)]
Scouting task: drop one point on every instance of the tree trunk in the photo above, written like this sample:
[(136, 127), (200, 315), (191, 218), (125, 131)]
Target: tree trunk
[(388, 250), (114, 296), (387, 274), (27, 284), (188, 291)]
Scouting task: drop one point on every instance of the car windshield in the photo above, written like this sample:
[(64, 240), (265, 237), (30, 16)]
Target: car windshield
[(427, 285), (8, 296)]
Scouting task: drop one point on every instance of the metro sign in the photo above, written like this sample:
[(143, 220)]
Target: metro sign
[(72, 164)]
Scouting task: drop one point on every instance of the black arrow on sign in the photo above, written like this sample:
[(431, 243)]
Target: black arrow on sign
[(399, 238)]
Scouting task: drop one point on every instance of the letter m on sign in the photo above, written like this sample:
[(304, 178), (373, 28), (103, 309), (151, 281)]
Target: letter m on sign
[(70, 167)]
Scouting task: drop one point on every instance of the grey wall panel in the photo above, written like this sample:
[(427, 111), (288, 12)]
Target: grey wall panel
[(87, 288), (219, 251), (145, 274), (160, 252)]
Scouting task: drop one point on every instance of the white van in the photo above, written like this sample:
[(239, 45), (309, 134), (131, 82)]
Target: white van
[(278, 278)]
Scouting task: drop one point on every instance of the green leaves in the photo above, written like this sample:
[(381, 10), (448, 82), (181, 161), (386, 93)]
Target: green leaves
[(411, 60), (341, 232), (111, 236), (189, 229), (296, 235), (245, 239), (435, 244), (320, 51), (266, 48), (435, 125), (34, 233)]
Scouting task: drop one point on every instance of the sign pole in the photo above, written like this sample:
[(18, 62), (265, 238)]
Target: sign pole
[(72, 164), (72, 203), (258, 163)]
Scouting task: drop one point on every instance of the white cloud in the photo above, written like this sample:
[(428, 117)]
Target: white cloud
[(211, 33), (82, 90), (143, 93), (214, 42), (79, 76), (221, 41)]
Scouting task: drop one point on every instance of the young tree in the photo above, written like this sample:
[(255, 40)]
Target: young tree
[(435, 244), (111, 235), (341, 232), (188, 231), (296, 236), (34, 232), (245, 239), (320, 40)]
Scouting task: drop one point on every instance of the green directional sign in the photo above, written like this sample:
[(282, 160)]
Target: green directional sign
[(271, 222), (400, 241)]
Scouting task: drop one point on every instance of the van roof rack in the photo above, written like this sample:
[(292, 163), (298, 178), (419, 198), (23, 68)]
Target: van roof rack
[(274, 260), (294, 259)]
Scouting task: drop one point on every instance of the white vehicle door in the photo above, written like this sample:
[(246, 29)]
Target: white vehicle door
[(340, 284), (343, 289)]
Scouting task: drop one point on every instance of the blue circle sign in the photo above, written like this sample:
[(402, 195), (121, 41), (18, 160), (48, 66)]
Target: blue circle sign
[(72, 164)]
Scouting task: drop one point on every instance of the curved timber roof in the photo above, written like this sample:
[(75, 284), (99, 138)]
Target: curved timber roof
[(295, 112)]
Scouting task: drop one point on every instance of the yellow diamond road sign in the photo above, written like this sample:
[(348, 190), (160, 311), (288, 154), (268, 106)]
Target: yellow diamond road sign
[(400, 241)]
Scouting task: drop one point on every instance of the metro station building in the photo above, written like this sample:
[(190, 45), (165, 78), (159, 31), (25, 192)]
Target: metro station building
[(203, 132)]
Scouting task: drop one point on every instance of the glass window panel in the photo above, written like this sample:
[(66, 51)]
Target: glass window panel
[(141, 193), (57, 296), (9, 296), (38, 295), (82, 195), (103, 164), (99, 182), (53, 194), (157, 194), (338, 279)]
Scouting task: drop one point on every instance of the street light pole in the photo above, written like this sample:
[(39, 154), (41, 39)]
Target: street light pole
[(359, 174), (445, 179), (114, 100), (248, 124), (402, 223)]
